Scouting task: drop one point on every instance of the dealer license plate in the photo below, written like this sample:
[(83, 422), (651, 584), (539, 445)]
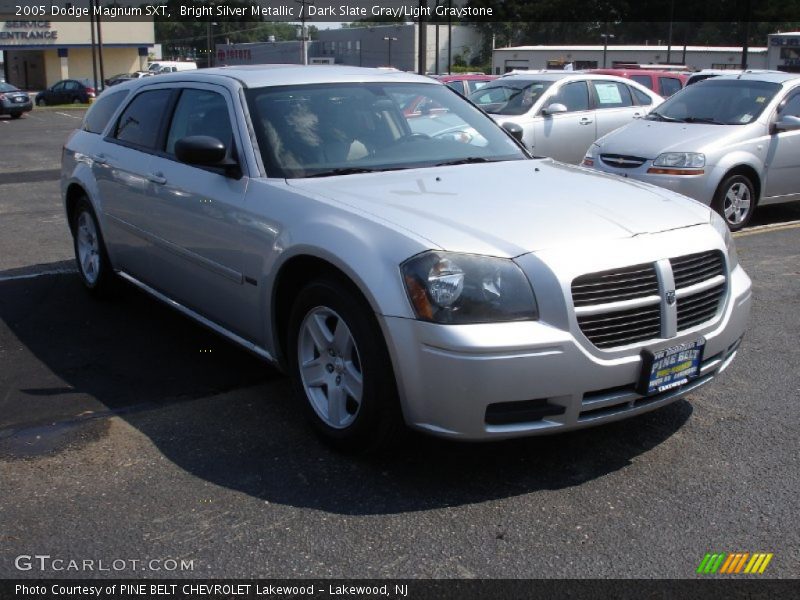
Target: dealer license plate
[(671, 367)]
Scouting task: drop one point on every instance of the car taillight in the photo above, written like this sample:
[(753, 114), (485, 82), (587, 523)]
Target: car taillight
[(90, 92)]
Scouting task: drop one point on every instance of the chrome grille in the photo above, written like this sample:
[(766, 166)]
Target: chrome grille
[(625, 306), (615, 285), (694, 268), (622, 161)]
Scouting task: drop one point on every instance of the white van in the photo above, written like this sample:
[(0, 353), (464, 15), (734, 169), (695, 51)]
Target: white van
[(170, 66)]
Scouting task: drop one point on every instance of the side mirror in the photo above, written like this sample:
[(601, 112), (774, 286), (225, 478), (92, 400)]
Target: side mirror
[(514, 129), (787, 123), (206, 151), (554, 109)]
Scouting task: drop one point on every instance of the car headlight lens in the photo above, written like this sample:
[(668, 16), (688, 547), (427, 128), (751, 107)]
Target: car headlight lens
[(445, 287), (692, 160), (722, 228)]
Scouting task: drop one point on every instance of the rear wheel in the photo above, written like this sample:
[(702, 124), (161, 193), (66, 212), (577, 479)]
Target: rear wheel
[(735, 200), (340, 367), (41, 102), (94, 268)]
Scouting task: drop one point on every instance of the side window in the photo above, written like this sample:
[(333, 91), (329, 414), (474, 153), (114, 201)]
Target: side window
[(456, 85), (669, 85), (72, 86), (575, 96), (58, 87), (140, 122), (474, 86), (611, 94), (200, 112), (101, 111), (641, 98), (644, 80), (792, 107)]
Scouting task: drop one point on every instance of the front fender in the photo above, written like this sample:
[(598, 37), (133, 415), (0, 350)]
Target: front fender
[(729, 162)]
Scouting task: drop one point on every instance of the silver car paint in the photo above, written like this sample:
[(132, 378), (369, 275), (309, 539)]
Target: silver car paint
[(557, 221), (565, 136), (774, 157)]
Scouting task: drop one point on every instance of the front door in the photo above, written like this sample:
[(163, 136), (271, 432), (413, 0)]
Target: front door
[(566, 136), (783, 156)]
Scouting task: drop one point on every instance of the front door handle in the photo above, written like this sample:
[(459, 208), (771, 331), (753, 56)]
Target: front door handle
[(157, 177), (637, 115), (100, 159), (585, 121)]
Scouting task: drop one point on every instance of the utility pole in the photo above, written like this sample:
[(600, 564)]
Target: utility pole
[(303, 46), (102, 82), (669, 34), (422, 50), (605, 37)]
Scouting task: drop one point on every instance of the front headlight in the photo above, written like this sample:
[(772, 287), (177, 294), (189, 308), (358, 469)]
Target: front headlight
[(691, 160), (722, 228), (445, 287)]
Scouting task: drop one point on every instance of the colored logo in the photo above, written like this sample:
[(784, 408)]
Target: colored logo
[(734, 563)]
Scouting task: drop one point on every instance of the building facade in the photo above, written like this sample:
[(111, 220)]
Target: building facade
[(591, 57), (37, 54), (784, 52)]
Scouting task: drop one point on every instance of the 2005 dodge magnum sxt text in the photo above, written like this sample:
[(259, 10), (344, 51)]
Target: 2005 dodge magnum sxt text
[(419, 268)]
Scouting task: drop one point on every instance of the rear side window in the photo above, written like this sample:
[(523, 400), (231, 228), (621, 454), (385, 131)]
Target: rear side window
[(140, 122), (645, 80), (669, 85), (611, 94), (641, 98), (102, 110)]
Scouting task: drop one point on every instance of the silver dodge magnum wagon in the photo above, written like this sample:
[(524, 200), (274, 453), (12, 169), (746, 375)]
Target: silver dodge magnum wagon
[(415, 267)]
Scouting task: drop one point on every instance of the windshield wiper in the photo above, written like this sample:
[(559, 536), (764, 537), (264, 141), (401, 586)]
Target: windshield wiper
[(709, 120), (465, 161), (661, 117), (346, 171)]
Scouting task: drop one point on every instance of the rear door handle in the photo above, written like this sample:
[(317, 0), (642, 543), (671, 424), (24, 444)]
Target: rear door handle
[(637, 115), (157, 177)]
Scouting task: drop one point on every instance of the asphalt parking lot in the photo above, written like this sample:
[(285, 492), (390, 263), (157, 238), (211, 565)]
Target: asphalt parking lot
[(128, 432)]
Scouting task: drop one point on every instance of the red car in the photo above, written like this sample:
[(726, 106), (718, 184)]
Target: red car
[(466, 83), (664, 83)]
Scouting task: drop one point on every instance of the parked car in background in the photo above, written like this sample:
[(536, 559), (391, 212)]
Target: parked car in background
[(453, 284), (465, 83), (663, 83), (709, 73), (14, 101), (562, 112), (123, 77), (731, 141), (171, 66), (68, 91)]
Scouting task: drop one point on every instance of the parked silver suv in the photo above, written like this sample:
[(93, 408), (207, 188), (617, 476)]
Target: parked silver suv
[(732, 142), (443, 279)]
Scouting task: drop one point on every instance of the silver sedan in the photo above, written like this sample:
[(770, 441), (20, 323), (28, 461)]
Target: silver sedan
[(449, 282)]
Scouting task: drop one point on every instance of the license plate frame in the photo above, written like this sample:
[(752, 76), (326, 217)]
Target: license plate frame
[(670, 367)]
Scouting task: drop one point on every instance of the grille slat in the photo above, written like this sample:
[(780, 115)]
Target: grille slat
[(622, 161), (628, 326)]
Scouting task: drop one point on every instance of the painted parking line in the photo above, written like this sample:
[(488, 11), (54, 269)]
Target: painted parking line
[(67, 115), (39, 274), (768, 228)]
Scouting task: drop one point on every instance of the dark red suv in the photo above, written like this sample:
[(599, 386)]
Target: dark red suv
[(664, 83)]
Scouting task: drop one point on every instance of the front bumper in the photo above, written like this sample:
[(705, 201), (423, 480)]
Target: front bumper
[(8, 108), (448, 375)]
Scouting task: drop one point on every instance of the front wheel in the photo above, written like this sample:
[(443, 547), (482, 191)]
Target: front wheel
[(735, 200), (16, 115), (340, 367), (41, 102), (94, 267)]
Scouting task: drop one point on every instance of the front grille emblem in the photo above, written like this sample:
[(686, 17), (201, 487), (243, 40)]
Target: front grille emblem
[(670, 297)]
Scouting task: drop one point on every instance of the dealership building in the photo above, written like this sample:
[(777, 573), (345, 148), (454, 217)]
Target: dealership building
[(39, 53)]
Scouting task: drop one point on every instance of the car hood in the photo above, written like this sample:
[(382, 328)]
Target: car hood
[(509, 208), (648, 139)]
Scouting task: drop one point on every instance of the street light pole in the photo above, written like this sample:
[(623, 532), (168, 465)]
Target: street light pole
[(303, 45), (605, 37), (390, 40)]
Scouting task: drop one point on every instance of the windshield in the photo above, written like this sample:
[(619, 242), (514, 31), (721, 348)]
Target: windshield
[(7, 87), (342, 128), (509, 96), (718, 101)]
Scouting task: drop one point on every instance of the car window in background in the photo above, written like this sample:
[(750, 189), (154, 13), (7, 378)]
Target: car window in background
[(7, 87), (72, 86), (612, 94), (200, 112), (791, 107), (669, 85), (140, 121), (575, 96), (475, 85), (331, 129), (644, 80), (456, 85), (641, 98), (102, 110), (718, 101), (509, 97), (58, 87)]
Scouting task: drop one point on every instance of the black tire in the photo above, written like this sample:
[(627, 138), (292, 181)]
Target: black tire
[(100, 281), (377, 419), (41, 102), (725, 200)]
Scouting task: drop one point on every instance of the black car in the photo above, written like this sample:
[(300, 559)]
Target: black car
[(13, 101), (68, 91)]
